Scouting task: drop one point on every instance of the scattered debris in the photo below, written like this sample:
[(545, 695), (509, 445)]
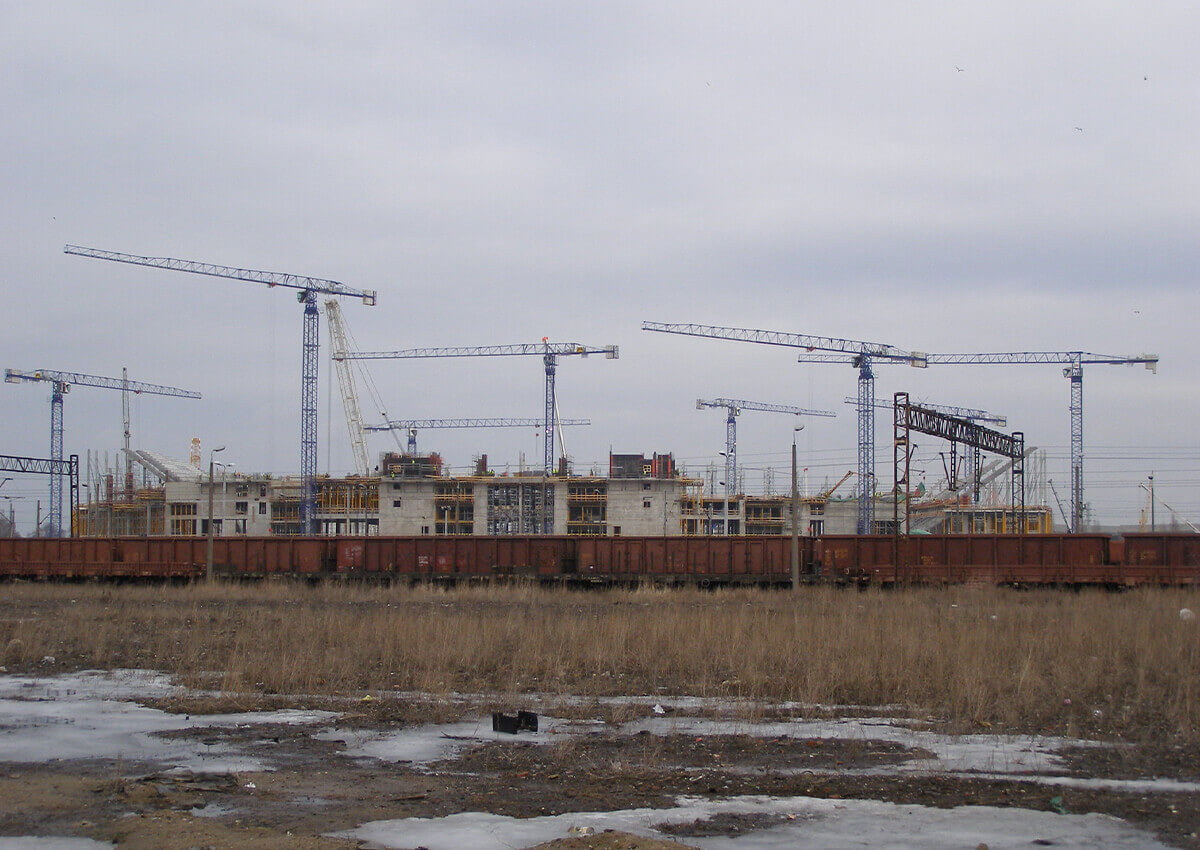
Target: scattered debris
[(511, 724)]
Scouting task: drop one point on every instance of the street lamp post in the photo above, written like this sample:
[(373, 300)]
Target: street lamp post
[(208, 561), (12, 514), (1153, 526), (725, 504), (795, 514)]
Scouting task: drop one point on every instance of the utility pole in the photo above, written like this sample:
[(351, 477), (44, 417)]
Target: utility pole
[(795, 514)]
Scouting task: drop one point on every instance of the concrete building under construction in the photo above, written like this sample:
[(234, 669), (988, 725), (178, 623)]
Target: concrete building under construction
[(411, 496)]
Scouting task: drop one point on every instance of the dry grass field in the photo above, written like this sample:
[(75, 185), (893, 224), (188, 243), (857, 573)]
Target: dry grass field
[(1091, 663)]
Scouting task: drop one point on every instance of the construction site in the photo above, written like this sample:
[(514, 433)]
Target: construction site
[(405, 492)]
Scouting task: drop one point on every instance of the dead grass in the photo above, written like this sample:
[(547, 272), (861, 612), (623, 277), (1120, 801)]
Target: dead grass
[(1091, 662)]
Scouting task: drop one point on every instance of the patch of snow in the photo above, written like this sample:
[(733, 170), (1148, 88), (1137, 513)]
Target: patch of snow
[(99, 684), (1142, 785), (88, 715), (804, 822), (952, 753), (422, 745)]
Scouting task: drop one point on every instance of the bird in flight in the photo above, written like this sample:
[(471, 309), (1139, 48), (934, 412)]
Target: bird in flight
[(1080, 129), (960, 70)]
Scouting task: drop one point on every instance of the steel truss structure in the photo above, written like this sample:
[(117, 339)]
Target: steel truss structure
[(909, 417), (57, 469)]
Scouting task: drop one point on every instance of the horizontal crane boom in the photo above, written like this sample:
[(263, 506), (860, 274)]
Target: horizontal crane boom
[(292, 281), (790, 340), (14, 376), (737, 405), (401, 424), (1150, 361), (521, 349)]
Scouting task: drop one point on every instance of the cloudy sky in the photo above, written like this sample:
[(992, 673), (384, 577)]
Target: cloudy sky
[(938, 176)]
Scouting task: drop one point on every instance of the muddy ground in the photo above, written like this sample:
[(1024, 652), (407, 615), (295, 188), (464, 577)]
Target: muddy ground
[(315, 790)]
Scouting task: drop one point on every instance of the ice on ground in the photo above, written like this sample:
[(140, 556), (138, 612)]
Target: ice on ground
[(118, 684), (952, 753), (422, 745), (88, 715), (29, 842), (801, 822), (1096, 784)]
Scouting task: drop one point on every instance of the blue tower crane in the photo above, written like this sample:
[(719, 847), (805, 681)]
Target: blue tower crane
[(1073, 363), (60, 383), (733, 408), (309, 288), (860, 354)]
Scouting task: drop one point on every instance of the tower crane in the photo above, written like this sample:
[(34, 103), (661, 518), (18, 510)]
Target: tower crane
[(549, 351), (733, 408), (862, 355), (60, 384), (1073, 363), (973, 456), (413, 425), (308, 289)]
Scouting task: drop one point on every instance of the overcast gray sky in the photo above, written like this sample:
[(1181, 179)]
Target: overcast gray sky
[(938, 176)]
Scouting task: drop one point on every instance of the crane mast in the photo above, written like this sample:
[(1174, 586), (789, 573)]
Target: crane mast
[(60, 384), (308, 289)]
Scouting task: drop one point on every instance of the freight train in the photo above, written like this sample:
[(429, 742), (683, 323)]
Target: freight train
[(996, 559)]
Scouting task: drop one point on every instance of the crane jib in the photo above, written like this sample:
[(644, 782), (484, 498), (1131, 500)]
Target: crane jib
[(272, 279)]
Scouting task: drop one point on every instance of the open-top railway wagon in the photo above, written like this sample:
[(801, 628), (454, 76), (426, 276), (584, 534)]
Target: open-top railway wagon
[(1030, 560)]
